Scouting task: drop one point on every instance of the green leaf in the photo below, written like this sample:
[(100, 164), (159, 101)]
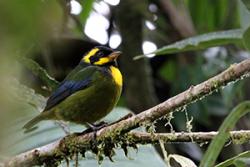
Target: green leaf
[(37, 70), (242, 162), (219, 141), (246, 38), (244, 14), (208, 22), (37, 22), (234, 160), (245, 21), (247, 4), (87, 8), (201, 42)]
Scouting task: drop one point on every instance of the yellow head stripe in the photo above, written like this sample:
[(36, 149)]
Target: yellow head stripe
[(102, 61), (86, 58), (116, 74)]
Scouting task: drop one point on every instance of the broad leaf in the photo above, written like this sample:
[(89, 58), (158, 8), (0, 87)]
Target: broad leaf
[(201, 42)]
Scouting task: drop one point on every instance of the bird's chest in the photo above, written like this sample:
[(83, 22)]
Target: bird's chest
[(108, 86), (109, 83), (93, 103)]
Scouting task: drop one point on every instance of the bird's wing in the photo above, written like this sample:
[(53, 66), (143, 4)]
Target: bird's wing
[(80, 80)]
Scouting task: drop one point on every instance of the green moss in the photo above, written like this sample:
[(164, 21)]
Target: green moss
[(215, 84), (242, 139), (102, 147)]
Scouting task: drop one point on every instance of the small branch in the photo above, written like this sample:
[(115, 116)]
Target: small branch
[(58, 150), (237, 137), (179, 17)]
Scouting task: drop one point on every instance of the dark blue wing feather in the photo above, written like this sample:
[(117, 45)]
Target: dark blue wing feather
[(65, 89)]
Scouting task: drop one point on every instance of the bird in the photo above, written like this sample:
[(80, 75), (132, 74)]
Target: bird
[(88, 93)]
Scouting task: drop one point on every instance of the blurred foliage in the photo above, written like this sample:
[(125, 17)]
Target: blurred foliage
[(219, 141), (241, 159), (244, 14), (87, 7), (45, 33), (247, 4), (29, 24), (213, 15)]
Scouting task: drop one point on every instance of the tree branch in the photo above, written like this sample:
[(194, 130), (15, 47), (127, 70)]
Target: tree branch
[(237, 137), (179, 17), (31, 158), (57, 151)]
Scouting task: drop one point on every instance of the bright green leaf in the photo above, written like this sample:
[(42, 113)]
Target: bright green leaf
[(87, 8)]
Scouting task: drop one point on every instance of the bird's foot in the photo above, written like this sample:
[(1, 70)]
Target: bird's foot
[(96, 127), (93, 128)]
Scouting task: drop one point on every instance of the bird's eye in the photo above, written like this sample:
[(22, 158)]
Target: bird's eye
[(100, 54), (93, 59)]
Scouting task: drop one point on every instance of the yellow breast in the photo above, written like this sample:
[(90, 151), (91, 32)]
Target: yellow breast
[(116, 74)]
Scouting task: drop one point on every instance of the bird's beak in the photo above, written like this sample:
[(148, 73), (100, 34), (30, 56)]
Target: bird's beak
[(114, 55)]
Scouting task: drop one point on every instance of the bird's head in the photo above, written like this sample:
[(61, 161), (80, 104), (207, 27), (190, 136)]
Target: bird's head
[(101, 56)]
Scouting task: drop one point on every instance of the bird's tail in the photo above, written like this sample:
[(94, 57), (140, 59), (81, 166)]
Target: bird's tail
[(33, 122)]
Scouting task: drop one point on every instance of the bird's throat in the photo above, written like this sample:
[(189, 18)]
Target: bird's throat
[(116, 74)]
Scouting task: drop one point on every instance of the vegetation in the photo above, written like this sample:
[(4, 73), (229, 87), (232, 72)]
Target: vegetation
[(186, 70)]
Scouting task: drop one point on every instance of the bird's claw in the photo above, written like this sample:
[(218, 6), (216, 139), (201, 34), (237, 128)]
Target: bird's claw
[(93, 128), (96, 127)]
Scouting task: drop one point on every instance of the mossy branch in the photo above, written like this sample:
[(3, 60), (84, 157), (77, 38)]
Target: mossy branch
[(116, 133), (237, 137), (57, 150)]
